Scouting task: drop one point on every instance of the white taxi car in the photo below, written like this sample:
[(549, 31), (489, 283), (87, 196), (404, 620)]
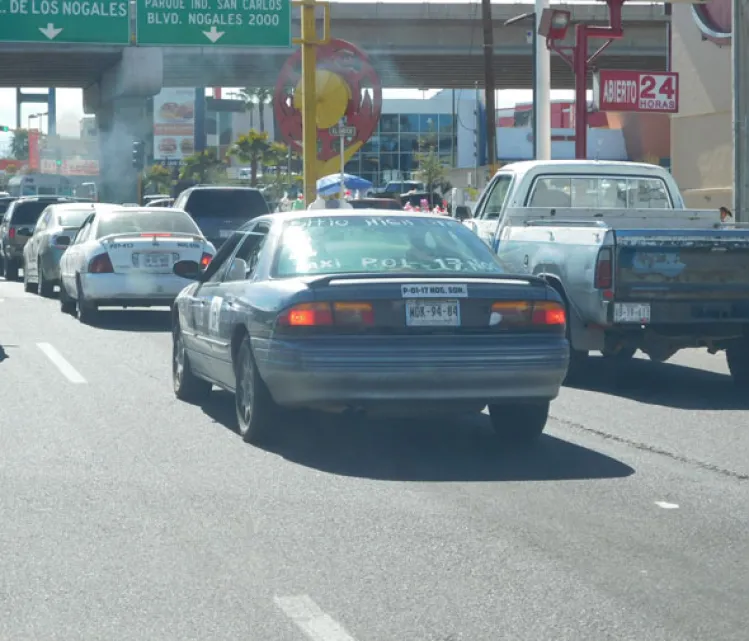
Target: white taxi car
[(123, 257)]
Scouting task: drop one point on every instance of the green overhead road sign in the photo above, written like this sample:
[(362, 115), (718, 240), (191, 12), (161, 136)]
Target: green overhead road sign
[(104, 22), (220, 23)]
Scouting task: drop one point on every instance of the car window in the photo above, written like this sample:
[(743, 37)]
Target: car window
[(43, 221), (134, 221), (223, 203), (83, 233), (496, 198), (251, 247), (602, 192), (363, 244), (216, 267), (27, 212), (72, 217)]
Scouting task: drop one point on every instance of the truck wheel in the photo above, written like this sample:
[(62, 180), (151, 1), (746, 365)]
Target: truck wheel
[(519, 423), (625, 354), (737, 360)]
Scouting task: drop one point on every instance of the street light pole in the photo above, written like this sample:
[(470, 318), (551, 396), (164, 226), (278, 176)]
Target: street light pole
[(740, 108), (542, 108)]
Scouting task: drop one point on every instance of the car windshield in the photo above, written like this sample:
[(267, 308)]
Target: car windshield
[(72, 217), (134, 221), (380, 244)]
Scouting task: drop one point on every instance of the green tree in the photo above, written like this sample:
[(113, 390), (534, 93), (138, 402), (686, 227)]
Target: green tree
[(203, 167), (256, 98), (253, 149), (19, 144), (431, 170), (158, 177)]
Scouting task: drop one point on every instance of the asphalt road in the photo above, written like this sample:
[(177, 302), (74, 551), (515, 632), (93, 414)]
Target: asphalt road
[(126, 514)]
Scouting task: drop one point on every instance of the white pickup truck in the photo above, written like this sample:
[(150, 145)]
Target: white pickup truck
[(636, 269)]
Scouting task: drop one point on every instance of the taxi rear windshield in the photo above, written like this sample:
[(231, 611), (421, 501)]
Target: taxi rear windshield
[(133, 222), (72, 218), (363, 244)]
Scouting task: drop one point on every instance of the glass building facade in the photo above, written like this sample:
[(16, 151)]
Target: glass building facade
[(392, 151)]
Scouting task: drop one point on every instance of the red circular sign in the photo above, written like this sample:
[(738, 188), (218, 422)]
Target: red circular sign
[(714, 19), (362, 111)]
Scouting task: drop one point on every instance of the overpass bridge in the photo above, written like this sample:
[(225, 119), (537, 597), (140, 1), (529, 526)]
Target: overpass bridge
[(423, 45)]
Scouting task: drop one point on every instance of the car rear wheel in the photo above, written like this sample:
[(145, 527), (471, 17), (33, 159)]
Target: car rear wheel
[(28, 287), (256, 409), (43, 286), (10, 270), (519, 423), (187, 386), (737, 361), (67, 304), (87, 311)]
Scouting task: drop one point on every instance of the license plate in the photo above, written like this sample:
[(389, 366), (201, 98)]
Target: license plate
[(156, 260), (432, 313), (226, 233), (632, 313)]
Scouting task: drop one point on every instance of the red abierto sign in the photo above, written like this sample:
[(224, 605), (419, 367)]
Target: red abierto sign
[(33, 141), (641, 91)]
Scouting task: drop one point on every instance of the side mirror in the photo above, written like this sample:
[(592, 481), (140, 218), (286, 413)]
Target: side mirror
[(188, 269), (62, 241), (463, 212), (238, 270)]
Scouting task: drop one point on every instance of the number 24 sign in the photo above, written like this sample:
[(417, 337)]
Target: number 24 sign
[(641, 91)]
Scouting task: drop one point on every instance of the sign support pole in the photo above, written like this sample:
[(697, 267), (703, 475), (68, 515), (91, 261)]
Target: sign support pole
[(343, 161), (740, 108), (542, 116)]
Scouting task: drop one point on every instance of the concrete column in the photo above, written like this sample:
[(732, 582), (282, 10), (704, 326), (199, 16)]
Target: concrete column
[(120, 123), (120, 101)]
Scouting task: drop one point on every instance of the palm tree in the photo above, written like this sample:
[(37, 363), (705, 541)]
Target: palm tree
[(19, 145), (256, 97), (253, 149), (202, 167), (159, 177)]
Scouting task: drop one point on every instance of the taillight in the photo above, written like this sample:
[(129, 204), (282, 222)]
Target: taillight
[(157, 234), (527, 314), (603, 273), (343, 314), (101, 264), (11, 233), (205, 260), (307, 315)]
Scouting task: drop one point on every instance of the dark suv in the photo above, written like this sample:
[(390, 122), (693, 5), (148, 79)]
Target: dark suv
[(18, 226), (220, 210)]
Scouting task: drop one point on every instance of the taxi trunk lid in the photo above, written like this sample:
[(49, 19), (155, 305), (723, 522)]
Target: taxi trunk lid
[(151, 253)]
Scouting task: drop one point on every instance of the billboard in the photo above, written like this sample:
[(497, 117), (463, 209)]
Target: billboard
[(174, 125), (637, 91)]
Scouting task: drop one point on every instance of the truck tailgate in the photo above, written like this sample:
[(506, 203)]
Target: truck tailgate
[(684, 264)]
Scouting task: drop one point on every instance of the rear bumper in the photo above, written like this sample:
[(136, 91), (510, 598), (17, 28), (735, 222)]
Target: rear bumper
[(376, 370), (705, 317), (132, 290)]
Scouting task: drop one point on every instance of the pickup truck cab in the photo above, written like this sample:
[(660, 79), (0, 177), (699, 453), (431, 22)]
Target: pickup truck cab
[(636, 269)]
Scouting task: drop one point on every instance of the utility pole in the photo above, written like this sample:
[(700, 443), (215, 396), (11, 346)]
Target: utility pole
[(489, 86), (740, 107), (542, 108)]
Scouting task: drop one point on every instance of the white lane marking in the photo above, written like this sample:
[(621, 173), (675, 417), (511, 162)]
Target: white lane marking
[(66, 369), (309, 618), (666, 506)]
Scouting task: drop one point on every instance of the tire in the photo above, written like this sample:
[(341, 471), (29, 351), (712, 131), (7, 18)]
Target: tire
[(44, 287), (625, 354), (255, 408), (737, 361), (519, 423), (88, 312), (186, 385), (67, 304), (28, 287), (10, 269)]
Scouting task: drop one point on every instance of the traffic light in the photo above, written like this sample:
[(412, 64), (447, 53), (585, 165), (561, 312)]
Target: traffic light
[(4, 128), (138, 155)]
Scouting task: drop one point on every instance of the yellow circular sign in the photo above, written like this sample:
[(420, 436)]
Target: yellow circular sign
[(332, 97)]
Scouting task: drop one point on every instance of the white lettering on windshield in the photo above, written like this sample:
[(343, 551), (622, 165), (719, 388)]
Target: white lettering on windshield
[(432, 264)]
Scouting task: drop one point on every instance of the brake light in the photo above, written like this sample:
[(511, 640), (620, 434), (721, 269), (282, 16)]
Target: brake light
[(307, 315), (353, 314), (157, 234), (205, 260), (12, 233), (101, 264), (603, 273), (527, 313)]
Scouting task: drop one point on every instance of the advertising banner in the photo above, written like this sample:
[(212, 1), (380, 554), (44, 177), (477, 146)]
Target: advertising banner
[(638, 91), (174, 125)]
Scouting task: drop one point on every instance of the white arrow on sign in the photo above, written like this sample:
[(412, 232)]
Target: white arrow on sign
[(213, 35), (50, 31)]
